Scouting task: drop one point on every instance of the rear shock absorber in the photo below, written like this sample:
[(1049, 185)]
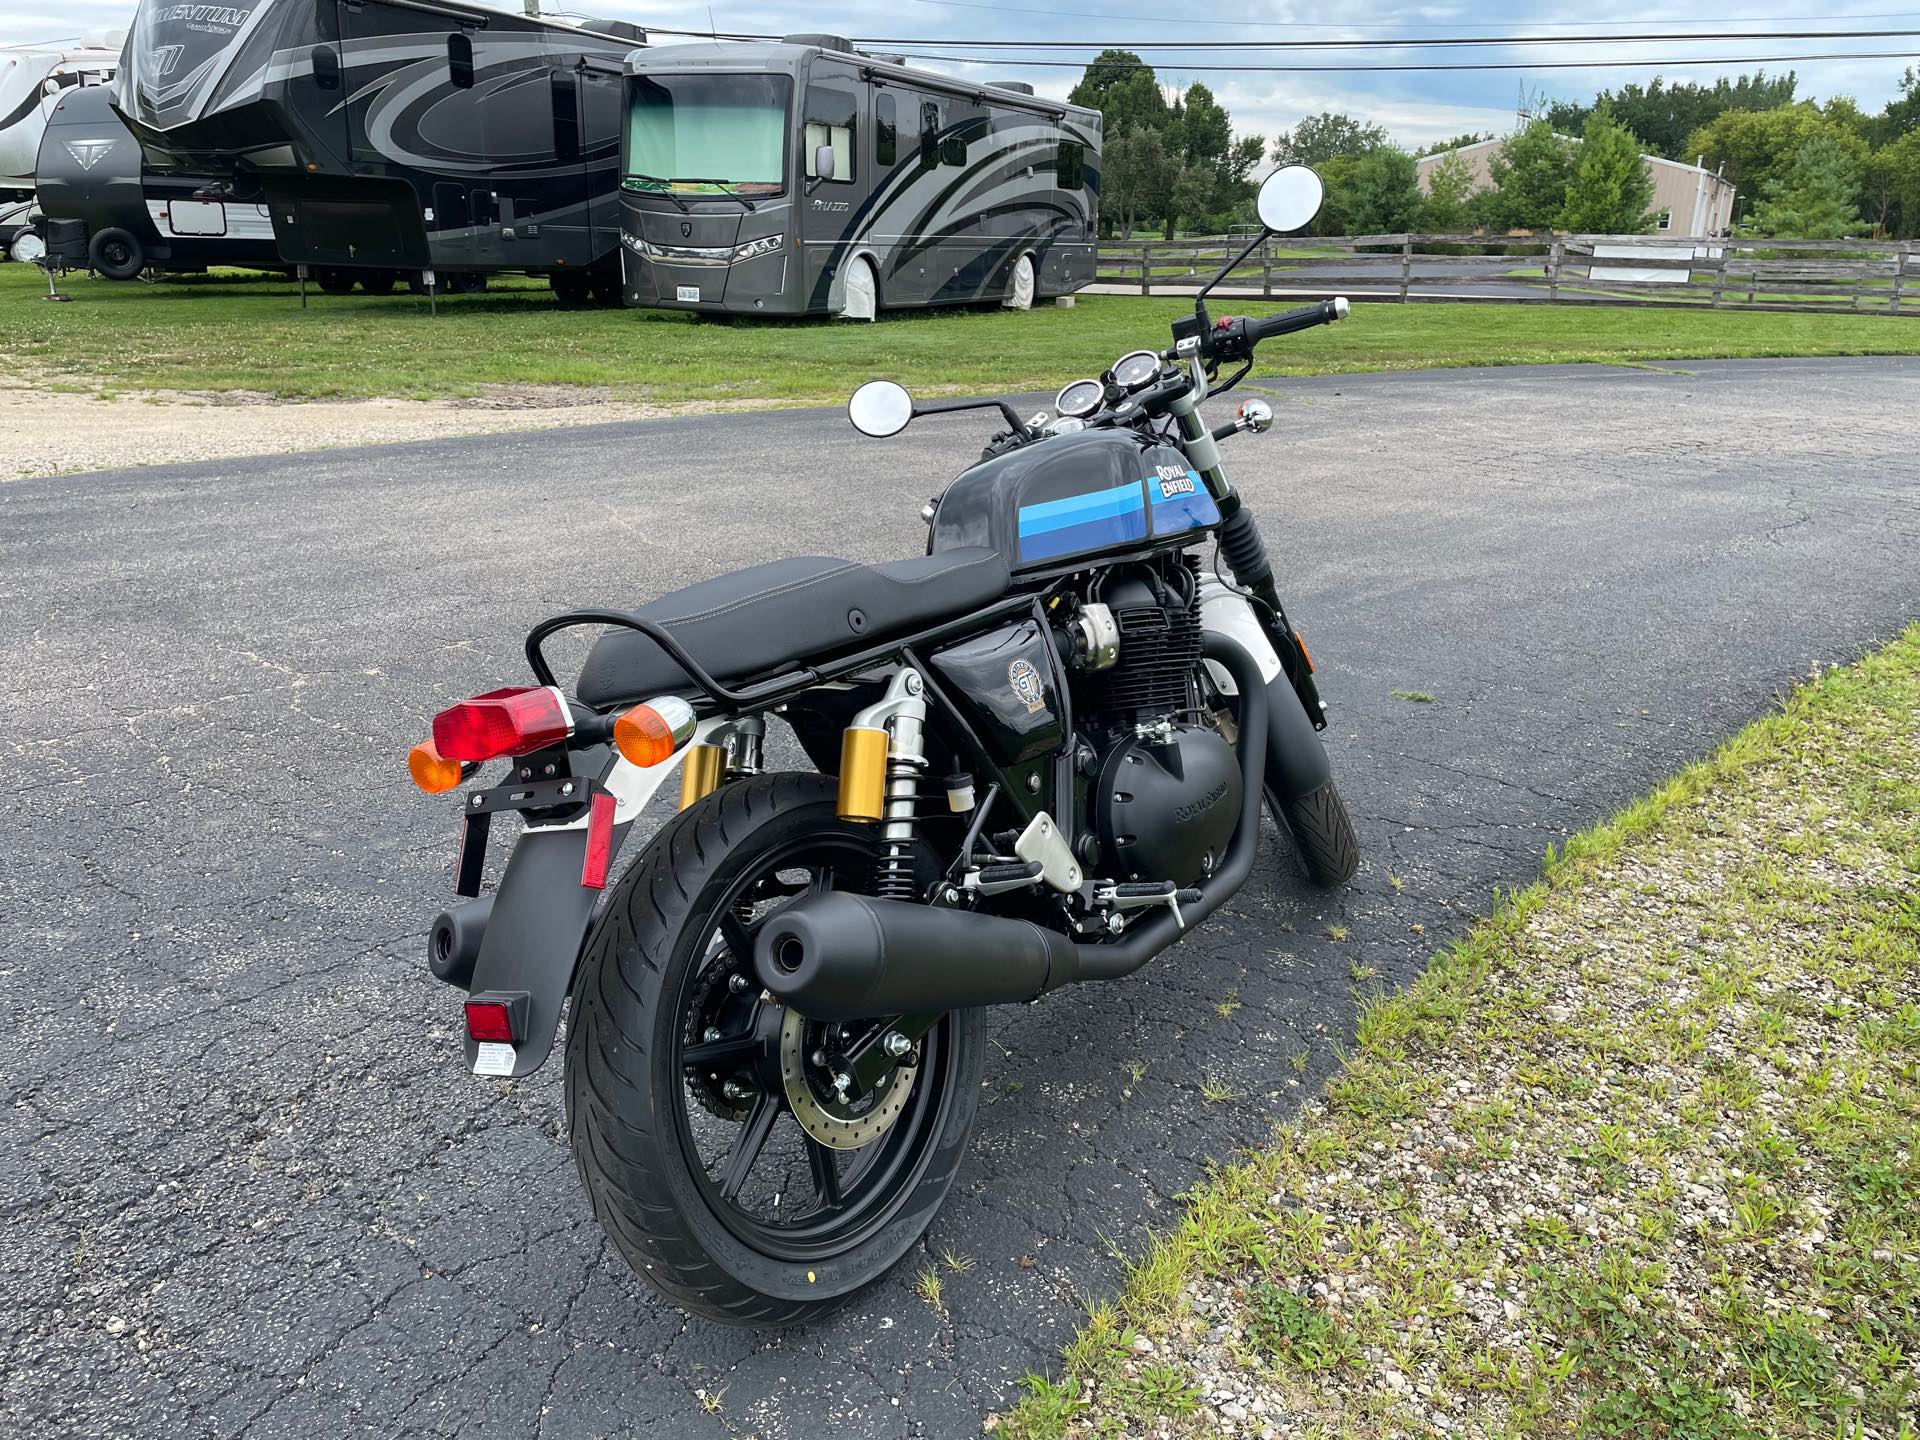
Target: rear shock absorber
[(881, 756)]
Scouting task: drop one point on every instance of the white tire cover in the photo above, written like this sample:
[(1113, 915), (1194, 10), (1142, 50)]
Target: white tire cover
[(1020, 293), (27, 247), (862, 293)]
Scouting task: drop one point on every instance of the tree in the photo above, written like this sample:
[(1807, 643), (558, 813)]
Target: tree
[(1191, 197), (1902, 115), (1449, 188), (1124, 89), (1319, 138), (1611, 190), (1382, 193), (1814, 198), (1530, 174), (1202, 126), (1136, 177), (1891, 183), (1757, 146), (1461, 142), (1664, 115)]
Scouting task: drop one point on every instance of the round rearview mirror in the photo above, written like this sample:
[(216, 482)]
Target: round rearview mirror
[(1289, 198), (880, 408)]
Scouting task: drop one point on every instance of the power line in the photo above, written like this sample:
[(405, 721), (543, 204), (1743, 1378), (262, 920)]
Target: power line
[(1703, 38), (1399, 24), (1024, 63)]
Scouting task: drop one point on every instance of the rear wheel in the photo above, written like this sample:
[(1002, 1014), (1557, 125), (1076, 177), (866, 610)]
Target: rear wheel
[(379, 282), (718, 1154), (333, 280)]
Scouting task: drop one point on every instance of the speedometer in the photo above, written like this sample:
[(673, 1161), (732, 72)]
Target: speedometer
[(1080, 399), (1136, 369)]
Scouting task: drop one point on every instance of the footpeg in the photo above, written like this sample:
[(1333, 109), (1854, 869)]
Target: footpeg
[(1139, 895), (996, 879)]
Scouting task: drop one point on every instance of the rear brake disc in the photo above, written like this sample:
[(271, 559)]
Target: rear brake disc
[(836, 1123)]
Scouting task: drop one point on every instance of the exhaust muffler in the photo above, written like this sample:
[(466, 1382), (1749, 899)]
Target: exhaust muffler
[(847, 957)]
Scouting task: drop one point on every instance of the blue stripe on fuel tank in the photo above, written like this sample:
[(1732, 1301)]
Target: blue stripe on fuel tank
[(1184, 509), (1083, 522)]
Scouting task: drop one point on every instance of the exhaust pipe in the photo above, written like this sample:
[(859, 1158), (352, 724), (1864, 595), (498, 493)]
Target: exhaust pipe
[(849, 957), (453, 945)]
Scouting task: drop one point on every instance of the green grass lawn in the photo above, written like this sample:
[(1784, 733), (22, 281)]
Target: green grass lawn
[(1639, 1158), (236, 332)]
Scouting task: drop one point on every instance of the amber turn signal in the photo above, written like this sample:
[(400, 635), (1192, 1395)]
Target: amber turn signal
[(649, 734), (431, 772)]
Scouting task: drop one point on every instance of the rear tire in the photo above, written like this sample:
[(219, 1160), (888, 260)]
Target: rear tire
[(334, 280), (116, 254), (379, 282), (1322, 834), (656, 972)]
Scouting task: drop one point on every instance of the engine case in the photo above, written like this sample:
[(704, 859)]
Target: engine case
[(1165, 805)]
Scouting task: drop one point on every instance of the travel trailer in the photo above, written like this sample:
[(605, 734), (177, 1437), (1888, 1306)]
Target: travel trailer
[(32, 80), (91, 169), (437, 139), (807, 178)]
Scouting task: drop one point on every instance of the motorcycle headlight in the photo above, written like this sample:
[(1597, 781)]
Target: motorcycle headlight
[(754, 249)]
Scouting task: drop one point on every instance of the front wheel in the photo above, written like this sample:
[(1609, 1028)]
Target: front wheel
[(718, 1153), (1322, 834)]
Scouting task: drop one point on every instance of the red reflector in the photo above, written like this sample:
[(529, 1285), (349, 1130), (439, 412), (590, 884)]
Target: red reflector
[(489, 1022), (593, 871), (502, 722)]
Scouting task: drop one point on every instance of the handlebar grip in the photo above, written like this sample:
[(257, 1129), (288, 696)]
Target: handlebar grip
[(1305, 318)]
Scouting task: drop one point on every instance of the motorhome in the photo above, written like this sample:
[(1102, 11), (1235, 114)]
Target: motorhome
[(808, 178), (440, 139), (32, 79), (91, 169)]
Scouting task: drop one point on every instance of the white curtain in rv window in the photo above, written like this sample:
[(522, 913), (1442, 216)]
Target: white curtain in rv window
[(726, 128)]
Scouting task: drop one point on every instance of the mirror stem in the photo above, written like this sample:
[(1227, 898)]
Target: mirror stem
[(1234, 264)]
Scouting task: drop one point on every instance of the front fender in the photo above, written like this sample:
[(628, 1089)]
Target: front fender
[(1296, 760)]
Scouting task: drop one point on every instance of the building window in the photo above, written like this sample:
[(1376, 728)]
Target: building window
[(1665, 221), (460, 59), (886, 130)]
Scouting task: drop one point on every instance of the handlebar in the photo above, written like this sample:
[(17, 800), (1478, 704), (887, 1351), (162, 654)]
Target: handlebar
[(1305, 318)]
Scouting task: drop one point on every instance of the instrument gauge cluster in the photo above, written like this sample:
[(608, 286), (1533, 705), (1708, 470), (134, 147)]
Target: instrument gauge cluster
[(1136, 370), (1080, 399)]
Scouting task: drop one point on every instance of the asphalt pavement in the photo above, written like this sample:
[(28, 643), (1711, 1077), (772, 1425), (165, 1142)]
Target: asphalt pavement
[(252, 1192)]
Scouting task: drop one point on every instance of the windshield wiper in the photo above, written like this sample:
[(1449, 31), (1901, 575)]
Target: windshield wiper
[(666, 188), (726, 188)]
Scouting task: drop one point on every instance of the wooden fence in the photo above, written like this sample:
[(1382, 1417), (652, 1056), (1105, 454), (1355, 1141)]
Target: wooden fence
[(1839, 276)]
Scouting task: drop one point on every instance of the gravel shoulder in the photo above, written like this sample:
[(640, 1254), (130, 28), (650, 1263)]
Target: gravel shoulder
[(1637, 1157), (86, 427)]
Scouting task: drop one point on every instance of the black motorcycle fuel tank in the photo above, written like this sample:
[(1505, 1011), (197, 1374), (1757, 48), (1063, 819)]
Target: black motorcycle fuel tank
[(1075, 497)]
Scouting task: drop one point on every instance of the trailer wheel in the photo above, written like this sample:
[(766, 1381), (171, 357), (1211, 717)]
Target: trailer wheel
[(379, 282), (862, 299), (1020, 286), (116, 254), (27, 247), (334, 280)]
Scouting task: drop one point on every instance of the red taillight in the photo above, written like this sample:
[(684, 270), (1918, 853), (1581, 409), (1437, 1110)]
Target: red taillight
[(490, 1022), (502, 722)]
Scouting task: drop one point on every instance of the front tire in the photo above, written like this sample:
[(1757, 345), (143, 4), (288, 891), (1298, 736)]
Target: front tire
[(668, 1057), (861, 299), (1322, 834)]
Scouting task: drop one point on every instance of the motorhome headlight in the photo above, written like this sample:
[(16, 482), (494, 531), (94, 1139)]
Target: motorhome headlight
[(754, 249)]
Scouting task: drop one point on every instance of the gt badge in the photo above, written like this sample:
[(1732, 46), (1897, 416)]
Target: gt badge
[(1027, 686)]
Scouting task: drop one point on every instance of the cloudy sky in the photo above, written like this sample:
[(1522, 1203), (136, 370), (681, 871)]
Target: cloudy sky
[(1417, 108)]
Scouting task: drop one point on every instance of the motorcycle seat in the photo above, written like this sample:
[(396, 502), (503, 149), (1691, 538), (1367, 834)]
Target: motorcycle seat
[(766, 617)]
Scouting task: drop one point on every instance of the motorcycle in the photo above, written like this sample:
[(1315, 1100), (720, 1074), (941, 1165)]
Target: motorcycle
[(1039, 753)]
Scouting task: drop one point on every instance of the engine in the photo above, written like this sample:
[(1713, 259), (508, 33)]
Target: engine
[(1162, 785)]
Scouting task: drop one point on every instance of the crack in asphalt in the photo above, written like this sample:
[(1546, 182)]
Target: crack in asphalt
[(257, 1195)]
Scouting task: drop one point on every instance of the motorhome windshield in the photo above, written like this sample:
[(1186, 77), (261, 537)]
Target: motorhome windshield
[(707, 133)]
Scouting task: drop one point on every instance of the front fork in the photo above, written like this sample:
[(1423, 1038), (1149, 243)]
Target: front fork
[(1243, 549)]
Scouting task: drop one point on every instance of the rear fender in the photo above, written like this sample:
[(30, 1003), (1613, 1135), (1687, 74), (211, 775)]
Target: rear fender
[(541, 911)]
